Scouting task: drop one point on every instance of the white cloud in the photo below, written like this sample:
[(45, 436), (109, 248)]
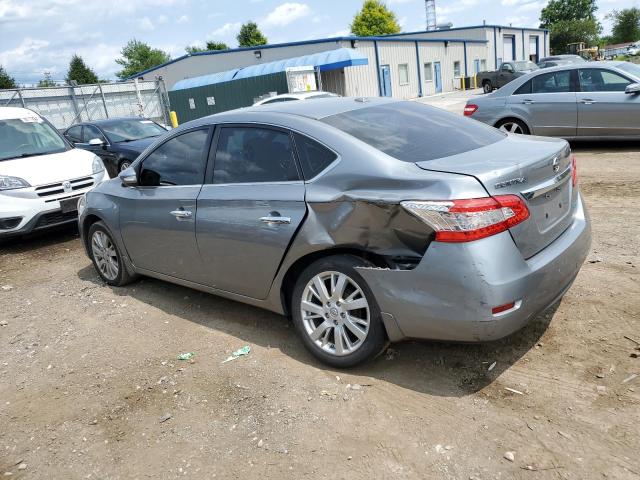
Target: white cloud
[(146, 24), (286, 13), (226, 29), (162, 19), (183, 19), (455, 8)]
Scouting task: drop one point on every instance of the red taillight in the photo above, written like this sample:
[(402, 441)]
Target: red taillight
[(470, 109), (503, 308), (574, 171), (472, 219)]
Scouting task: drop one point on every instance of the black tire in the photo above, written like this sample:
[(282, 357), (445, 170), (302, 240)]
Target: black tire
[(487, 87), (524, 130), (123, 276), (124, 164), (376, 337)]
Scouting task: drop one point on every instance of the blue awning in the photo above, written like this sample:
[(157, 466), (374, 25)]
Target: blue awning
[(330, 60)]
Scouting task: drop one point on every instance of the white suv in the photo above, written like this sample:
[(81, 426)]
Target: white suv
[(41, 175)]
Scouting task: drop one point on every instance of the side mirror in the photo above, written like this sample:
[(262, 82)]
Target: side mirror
[(632, 89), (96, 142), (129, 177)]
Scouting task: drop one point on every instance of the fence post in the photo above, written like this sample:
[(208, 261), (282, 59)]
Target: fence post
[(164, 100), (21, 98), (72, 91), (139, 97), (104, 101)]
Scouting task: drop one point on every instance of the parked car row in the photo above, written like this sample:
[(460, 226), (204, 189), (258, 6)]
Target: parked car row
[(580, 100)]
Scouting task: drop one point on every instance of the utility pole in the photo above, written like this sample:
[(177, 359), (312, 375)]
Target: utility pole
[(430, 7)]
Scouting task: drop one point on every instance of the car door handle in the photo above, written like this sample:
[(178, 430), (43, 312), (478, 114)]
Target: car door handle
[(181, 214), (588, 101), (527, 101), (275, 220)]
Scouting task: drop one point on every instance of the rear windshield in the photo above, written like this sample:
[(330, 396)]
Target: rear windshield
[(413, 132), (525, 66)]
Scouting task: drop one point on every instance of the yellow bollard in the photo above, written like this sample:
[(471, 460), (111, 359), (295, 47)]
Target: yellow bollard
[(174, 119), (475, 81), (462, 83)]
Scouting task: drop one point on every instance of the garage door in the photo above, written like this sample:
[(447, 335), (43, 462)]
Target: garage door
[(534, 56), (508, 51)]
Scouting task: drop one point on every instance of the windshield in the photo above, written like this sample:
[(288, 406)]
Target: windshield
[(131, 129), (413, 132), (631, 68), (524, 66), (27, 137)]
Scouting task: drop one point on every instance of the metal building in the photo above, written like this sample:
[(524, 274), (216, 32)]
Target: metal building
[(405, 65)]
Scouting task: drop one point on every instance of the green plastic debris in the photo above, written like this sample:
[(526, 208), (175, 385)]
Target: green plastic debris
[(186, 356), (239, 353)]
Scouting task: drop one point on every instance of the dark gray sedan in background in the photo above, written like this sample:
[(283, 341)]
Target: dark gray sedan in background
[(590, 100), (366, 220)]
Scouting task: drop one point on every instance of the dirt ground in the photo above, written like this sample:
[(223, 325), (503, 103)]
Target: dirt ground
[(89, 376)]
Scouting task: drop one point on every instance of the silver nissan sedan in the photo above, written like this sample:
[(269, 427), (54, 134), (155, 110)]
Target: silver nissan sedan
[(366, 220)]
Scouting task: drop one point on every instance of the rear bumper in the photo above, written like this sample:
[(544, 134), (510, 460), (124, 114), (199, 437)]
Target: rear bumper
[(450, 294)]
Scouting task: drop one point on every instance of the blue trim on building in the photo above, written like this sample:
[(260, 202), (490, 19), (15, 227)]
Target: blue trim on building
[(464, 44), (419, 70), (375, 47), (544, 54), (383, 38), (523, 54), (495, 48)]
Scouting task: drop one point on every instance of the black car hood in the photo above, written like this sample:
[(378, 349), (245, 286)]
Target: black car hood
[(135, 146)]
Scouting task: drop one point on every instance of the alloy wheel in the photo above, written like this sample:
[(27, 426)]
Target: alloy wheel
[(511, 127), (105, 255), (124, 166), (335, 313)]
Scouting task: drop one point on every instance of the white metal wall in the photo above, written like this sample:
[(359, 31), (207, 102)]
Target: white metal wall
[(395, 54), (363, 79)]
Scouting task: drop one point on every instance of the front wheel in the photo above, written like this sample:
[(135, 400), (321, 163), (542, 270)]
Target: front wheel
[(106, 256), (124, 165), (336, 314), (512, 125)]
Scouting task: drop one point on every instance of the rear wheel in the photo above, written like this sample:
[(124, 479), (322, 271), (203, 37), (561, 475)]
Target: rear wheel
[(335, 313), (106, 256), (487, 87), (513, 125)]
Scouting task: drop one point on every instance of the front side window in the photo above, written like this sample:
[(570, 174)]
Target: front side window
[(75, 134), (252, 155), (179, 161), (414, 132), (456, 69), (556, 82), (91, 132), (428, 72), (597, 80), (403, 74), (314, 158), (28, 137)]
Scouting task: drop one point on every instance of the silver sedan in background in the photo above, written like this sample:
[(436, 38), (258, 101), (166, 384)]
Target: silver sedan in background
[(366, 220), (591, 100)]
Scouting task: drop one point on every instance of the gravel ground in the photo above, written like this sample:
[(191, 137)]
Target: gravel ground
[(90, 384)]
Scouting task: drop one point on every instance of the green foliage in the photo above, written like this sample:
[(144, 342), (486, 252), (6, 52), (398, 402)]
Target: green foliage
[(374, 19), (210, 46), (570, 21), (6, 80), (47, 81), (250, 35), (626, 25), (138, 56), (80, 72)]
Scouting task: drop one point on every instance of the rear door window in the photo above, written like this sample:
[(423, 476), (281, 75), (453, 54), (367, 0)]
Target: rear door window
[(254, 155), (555, 82), (413, 132), (179, 161)]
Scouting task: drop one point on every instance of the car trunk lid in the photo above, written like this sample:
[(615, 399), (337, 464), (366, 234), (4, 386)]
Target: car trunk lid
[(538, 169)]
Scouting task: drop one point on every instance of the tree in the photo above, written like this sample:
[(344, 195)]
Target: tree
[(210, 46), (139, 56), (570, 21), (374, 19), (80, 72), (250, 35), (46, 81), (6, 80), (626, 25)]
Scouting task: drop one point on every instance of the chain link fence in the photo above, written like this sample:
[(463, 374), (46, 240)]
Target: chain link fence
[(64, 106)]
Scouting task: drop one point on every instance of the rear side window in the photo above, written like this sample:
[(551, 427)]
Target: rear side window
[(179, 161), (254, 155), (413, 132), (556, 82), (314, 158)]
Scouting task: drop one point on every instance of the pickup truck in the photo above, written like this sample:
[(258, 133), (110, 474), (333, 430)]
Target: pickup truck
[(507, 72)]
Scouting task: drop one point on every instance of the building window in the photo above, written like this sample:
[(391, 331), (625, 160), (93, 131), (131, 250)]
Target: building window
[(428, 72), (456, 69), (483, 65), (403, 73)]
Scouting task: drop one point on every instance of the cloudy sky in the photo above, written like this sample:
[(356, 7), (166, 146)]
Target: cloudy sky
[(41, 35)]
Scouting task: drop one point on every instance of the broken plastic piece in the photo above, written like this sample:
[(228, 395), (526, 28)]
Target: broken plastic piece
[(238, 353)]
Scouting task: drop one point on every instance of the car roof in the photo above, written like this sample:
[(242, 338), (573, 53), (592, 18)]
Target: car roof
[(320, 108), (11, 113)]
